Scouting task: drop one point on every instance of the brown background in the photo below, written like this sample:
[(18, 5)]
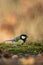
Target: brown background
[(21, 16)]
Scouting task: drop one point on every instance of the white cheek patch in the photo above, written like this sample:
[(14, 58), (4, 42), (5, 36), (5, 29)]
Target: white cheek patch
[(23, 37)]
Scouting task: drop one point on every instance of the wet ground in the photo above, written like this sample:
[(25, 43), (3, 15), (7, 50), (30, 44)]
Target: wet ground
[(20, 59)]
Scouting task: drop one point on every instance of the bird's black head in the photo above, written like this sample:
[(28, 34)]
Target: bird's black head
[(23, 37)]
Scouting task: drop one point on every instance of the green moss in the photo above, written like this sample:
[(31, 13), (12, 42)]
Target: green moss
[(25, 48)]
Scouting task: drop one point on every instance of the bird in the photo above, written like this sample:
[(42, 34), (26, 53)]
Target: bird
[(19, 39)]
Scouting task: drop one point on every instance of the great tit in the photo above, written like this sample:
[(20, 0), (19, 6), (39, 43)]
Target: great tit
[(20, 39)]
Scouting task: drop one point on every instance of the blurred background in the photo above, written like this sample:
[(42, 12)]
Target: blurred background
[(21, 16)]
